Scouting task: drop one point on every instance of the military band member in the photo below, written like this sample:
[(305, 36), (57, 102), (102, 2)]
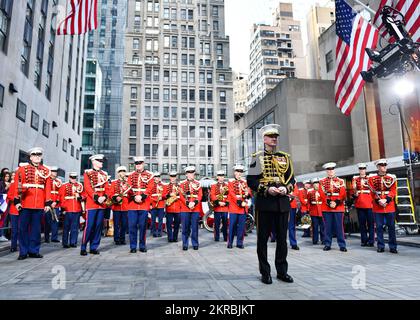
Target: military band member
[(190, 197), (219, 198), (71, 197), (271, 178), (14, 215), (333, 194), (141, 182), (239, 194), (363, 204), (51, 216), (303, 199), (119, 193), (157, 205), (384, 188), (315, 211), (33, 192), (96, 188), (173, 207), (294, 203)]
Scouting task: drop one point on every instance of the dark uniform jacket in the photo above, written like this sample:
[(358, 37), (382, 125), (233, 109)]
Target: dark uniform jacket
[(269, 169)]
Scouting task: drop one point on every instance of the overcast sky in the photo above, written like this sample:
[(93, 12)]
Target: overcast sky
[(242, 14)]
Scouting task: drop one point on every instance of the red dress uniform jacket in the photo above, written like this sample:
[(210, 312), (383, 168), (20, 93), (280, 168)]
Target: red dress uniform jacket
[(141, 184), (332, 189), (120, 188), (385, 187), (35, 187), (95, 185), (172, 190), (11, 195), (314, 203), (293, 201), (158, 195), (239, 192), (303, 198), (55, 189), (190, 192), (361, 192), (219, 191), (71, 196)]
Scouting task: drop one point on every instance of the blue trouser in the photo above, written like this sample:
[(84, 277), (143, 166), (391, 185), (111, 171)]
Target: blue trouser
[(220, 217), (317, 229), (159, 213), (71, 227), (172, 225), (120, 225), (236, 227), (93, 229), (389, 220), (14, 221), (292, 227), (189, 222), (137, 225), (366, 224), (334, 221), (51, 226), (29, 231)]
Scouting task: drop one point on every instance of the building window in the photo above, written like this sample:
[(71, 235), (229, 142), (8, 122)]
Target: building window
[(148, 93), (155, 131), (202, 132), (222, 114), (21, 111), (191, 149), (155, 94), (184, 151), (202, 170), (202, 113), (34, 120), (192, 113), (133, 93), (223, 132), (192, 131), (5, 15), (209, 132), (155, 112), (132, 149), (64, 145), (209, 95), (147, 150), (184, 132), (72, 150), (209, 114), (329, 61), (1, 96), (155, 150), (222, 96), (133, 130), (192, 95), (166, 150), (210, 170), (147, 130), (174, 150), (45, 128), (223, 151)]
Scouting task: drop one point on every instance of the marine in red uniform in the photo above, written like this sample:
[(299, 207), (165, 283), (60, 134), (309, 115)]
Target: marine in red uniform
[(219, 198), (239, 194), (333, 194), (51, 216), (173, 207), (303, 199), (33, 192), (294, 202), (363, 204), (157, 205), (141, 182), (71, 198), (14, 214), (119, 193), (384, 189), (315, 211), (96, 188), (190, 197)]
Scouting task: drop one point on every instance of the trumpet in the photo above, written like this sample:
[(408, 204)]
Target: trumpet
[(173, 196), (53, 214)]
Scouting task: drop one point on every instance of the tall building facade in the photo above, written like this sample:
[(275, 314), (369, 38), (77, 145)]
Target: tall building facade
[(103, 98), (276, 52), (41, 85), (240, 88), (319, 19), (177, 86)]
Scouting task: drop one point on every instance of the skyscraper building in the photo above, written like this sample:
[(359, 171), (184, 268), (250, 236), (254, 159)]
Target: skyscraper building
[(240, 88), (178, 107)]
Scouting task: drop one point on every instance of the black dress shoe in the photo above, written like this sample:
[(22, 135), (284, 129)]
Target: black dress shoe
[(35, 255), (266, 279), (326, 248), (159, 236), (240, 247), (314, 243), (143, 250), (47, 241), (117, 243), (73, 245), (56, 241), (94, 251), (343, 249), (185, 248), (175, 240), (229, 246), (13, 250), (285, 278), (195, 247), (217, 240), (273, 240), (23, 257), (133, 250), (393, 250), (66, 246), (295, 248), (363, 245), (370, 245), (380, 250), (83, 253)]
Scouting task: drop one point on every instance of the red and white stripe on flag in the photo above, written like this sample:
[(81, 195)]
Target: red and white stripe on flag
[(354, 35), (410, 9), (81, 19)]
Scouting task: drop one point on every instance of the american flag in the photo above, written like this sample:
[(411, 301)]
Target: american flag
[(354, 35), (82, 18), (410, 9)]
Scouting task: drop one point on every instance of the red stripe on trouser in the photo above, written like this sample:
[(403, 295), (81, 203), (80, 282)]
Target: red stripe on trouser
[(86, 226)]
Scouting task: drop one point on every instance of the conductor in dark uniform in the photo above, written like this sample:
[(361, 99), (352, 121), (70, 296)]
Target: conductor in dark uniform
[(271, 178)]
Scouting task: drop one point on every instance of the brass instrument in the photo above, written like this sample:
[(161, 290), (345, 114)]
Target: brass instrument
[(53, 214), (19, 188), (159, 190), (124, 193), (173, 196)]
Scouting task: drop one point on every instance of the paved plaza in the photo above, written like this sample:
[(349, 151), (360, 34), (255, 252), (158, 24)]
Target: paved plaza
[(212, 272)]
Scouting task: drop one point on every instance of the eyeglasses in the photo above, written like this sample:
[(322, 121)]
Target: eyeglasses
[(100, 160), (190, 172), (138, 162), (36, 154), (272, 135), (330, 169), (382, 164)]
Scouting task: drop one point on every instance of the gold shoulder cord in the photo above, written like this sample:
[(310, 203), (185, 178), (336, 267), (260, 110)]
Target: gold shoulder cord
[(282, 169)]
